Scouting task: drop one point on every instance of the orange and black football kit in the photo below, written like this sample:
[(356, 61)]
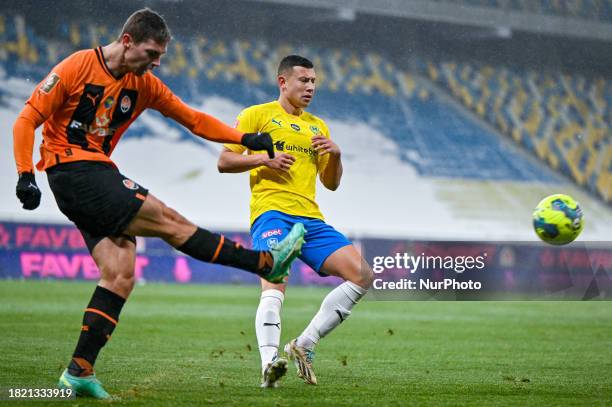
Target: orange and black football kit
[(85, 111)]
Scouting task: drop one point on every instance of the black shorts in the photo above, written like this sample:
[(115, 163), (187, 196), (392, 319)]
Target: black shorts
[(96, 197)]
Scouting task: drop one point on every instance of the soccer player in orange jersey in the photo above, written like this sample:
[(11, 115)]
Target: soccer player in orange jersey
[(86, 103)]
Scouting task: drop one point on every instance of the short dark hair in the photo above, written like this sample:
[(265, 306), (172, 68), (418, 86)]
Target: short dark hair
[(293, 60), (146, 24)]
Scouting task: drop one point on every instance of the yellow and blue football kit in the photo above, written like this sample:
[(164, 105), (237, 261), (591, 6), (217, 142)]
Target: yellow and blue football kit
[(279, 198)]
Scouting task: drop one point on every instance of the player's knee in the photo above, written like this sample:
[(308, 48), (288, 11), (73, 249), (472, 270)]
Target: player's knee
[(120, 278), (124, 279), (125, 284), (114, 271), (365, 277)]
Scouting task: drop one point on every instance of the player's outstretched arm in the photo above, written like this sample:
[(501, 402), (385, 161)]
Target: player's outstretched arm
[(23, 144), (205, 125), (232, 162), (213, 129)]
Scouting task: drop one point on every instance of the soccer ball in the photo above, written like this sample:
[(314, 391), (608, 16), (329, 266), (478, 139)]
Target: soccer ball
[(558, 219)]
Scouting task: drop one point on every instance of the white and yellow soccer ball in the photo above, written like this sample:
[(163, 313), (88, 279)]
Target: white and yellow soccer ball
[(558, 219)]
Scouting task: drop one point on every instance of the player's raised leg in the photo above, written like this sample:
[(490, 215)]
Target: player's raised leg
[(115, 257), (348, 264), (268, 331), (155, 219)]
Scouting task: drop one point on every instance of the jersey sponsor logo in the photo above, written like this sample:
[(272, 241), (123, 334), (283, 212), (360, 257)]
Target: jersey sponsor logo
[(277, 122), (295, 127), (272, 232), (108, 103), (300, 149), (126, 103), (50, 83), (98, 129), (129, 184), (84, 115), (283, 146), (272, 242)]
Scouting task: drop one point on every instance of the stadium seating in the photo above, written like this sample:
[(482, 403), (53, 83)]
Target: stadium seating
[(566, 120), (563, 119)]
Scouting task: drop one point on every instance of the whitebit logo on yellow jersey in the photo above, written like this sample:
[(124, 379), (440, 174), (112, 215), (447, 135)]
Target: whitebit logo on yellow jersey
[(283, 146)]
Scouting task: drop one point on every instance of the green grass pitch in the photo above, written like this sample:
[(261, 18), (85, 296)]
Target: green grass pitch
[(186, 345)]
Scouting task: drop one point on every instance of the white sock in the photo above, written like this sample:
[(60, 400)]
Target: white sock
[(335, 308), (267, 324)]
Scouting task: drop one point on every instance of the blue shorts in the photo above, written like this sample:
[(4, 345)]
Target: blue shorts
[(321, 239)]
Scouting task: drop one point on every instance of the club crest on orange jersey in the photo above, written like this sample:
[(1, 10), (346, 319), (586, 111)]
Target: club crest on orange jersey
[(129, 184), (50, 83), (126, 103)]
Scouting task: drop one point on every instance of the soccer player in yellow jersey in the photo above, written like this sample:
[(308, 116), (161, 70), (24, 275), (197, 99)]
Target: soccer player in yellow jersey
[(283, 194)]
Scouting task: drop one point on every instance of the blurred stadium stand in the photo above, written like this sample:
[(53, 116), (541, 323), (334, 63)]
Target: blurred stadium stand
[(566, 120), (522, 114), (433, 137)]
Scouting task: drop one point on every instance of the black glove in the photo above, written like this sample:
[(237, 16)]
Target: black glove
[(27, 191), (258, 141)]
